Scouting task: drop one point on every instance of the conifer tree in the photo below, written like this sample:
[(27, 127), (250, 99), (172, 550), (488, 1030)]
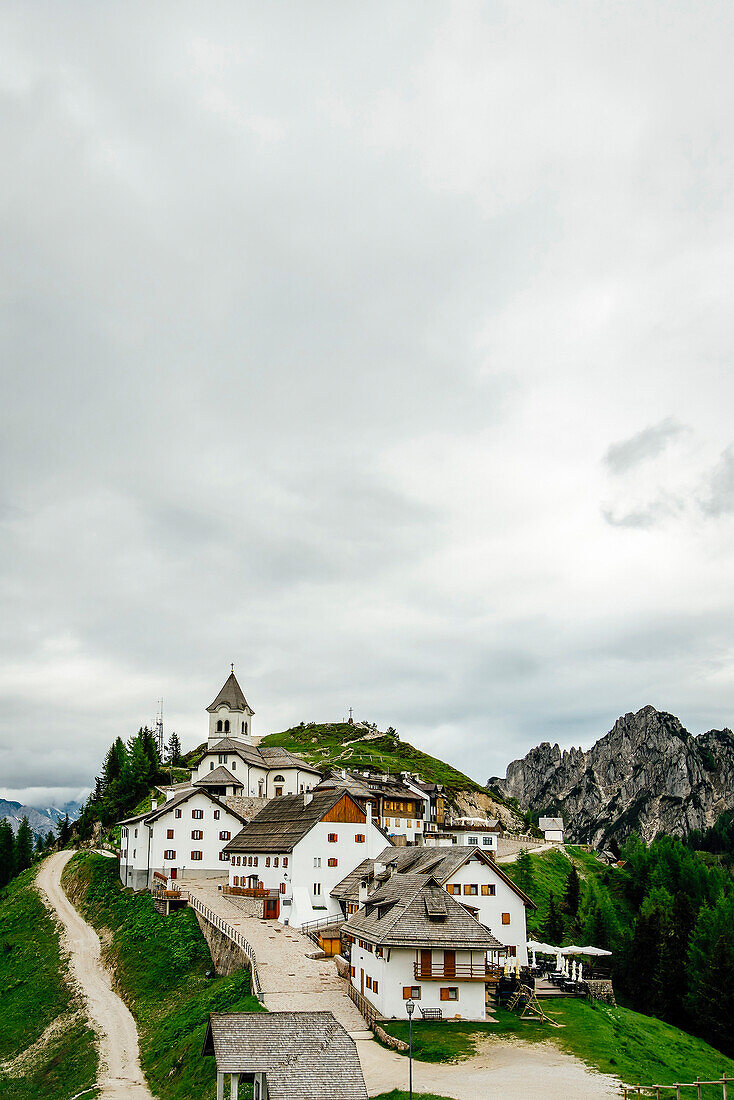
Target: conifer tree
[(173, 751), (63, 830), (524, 871), (23, 846), (572, 892), (553, 925), (7, 853)]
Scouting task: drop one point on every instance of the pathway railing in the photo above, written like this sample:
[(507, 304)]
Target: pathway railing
[(666, 1092), (369, 1012), (233, 935)]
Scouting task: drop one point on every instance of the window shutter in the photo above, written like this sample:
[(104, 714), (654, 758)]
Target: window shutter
[(444, 994), (406, 992), (505, 918)]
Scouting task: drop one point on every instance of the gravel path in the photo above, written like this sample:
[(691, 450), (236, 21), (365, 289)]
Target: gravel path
[(121, 1076)]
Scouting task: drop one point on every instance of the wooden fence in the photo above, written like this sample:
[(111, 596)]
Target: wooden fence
[(666, 1092)]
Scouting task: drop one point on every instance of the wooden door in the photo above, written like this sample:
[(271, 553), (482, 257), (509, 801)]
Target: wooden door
[(174, 872), (426, 960), (278, 792), (449, 964), (362, 979)]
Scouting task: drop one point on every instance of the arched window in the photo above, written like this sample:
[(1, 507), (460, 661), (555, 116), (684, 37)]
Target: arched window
[(219, 726), (226, 726), (278, 779), (245, 727)]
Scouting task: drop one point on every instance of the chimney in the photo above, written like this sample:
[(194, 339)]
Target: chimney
[(369, 816), (307, 798), (392, 867), (362, 892), (154, 803), (169, 796), (344, 773)]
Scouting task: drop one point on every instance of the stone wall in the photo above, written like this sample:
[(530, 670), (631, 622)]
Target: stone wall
[(389, 1040), (251, 907), (227, 957), (601, 989), (342, 966), (245, 805)]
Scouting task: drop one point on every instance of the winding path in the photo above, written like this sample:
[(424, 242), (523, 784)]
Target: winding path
[(121, 1077)]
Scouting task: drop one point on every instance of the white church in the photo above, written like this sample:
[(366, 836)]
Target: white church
[(186, 833)]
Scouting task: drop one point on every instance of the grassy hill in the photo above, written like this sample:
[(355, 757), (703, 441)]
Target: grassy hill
[(38, 1001), (161, 966)]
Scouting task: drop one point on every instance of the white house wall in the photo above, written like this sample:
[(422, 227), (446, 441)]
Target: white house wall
[(251, 776), (395, 970), (505, 900), (296, 881)]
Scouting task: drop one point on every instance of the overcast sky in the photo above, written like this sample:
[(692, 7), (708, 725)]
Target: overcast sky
[(384, 350)]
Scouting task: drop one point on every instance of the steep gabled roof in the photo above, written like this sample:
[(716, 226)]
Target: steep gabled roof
[(232, 696), (415, 911), (284, 821), (178, 800), (440, 863), (304, 1055)]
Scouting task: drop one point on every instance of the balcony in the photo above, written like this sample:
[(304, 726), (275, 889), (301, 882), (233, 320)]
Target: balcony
[(463, 972)]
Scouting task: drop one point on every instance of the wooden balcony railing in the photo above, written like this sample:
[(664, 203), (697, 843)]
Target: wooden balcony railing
[(472, 972), (248, 891)]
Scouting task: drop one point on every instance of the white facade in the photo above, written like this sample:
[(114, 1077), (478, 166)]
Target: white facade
[(475, 836), (552, 828), (479, 886), (186, 839), (393, 969), (305, 877), (257, 780)]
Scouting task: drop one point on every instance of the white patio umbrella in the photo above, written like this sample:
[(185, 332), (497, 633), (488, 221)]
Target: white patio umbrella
[(592, 951)]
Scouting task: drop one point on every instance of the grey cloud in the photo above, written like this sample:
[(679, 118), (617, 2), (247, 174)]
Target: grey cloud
[(644, 518), (643, 445), (718, 499)]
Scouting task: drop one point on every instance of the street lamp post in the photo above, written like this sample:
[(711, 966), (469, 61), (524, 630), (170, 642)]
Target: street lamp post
[(410, 1008)]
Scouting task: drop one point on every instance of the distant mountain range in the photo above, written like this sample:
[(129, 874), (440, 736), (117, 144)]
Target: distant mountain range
[(42, 820), (647, 774)]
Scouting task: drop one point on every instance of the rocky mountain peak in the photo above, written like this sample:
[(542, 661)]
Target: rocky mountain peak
[(647, 773)]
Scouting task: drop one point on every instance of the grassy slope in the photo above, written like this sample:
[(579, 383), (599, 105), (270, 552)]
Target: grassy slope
[(160, 965), (638, 1049), (338, 743), (33, 992), (550, 870)]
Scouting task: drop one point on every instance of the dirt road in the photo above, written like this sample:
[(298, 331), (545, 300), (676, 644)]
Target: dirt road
[(121, 1077)]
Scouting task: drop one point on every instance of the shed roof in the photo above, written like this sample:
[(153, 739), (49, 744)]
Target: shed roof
[(304, 1055)]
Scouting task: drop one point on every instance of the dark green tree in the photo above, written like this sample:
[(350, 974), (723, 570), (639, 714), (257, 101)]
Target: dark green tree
[(553, 925), (63, 831), (7, 853), (524, 872), (571, 893), (710, 999), (173, 751), (23, 846)]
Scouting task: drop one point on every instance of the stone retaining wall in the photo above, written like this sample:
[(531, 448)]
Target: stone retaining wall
[(389, 1040), (227, 957), (342, 966), (601, 989)]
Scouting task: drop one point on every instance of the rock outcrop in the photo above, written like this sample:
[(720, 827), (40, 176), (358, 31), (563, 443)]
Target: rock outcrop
[(648, 773)]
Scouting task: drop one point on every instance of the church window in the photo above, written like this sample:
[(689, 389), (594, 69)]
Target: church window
[(278, 779), (211, 765), (219, 726), (234, 765), (243, 727), (226, 726)]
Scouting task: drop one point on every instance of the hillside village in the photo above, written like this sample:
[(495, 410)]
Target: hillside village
[(409, 902)]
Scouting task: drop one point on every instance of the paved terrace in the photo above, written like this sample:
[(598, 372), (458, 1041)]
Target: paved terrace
[(290, 981)]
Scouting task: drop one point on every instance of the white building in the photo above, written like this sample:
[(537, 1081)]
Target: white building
[(474, 832), (467, 873), (552, 828), (184, 835), (413, 941), (302, 845)]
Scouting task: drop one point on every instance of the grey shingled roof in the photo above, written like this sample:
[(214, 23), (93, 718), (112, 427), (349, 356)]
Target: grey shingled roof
[(304, 1055), (218, 777), (355, 787), (231, 695), (178, 800), (550, 823), (440, 863), (269, 756), (398, 914), (284, 821)]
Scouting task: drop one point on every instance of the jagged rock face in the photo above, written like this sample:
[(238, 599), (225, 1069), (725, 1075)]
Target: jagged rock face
[(477, 804), (648, 773)]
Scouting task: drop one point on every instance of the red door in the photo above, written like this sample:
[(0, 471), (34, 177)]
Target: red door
[(174, 872), (271, 908)]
